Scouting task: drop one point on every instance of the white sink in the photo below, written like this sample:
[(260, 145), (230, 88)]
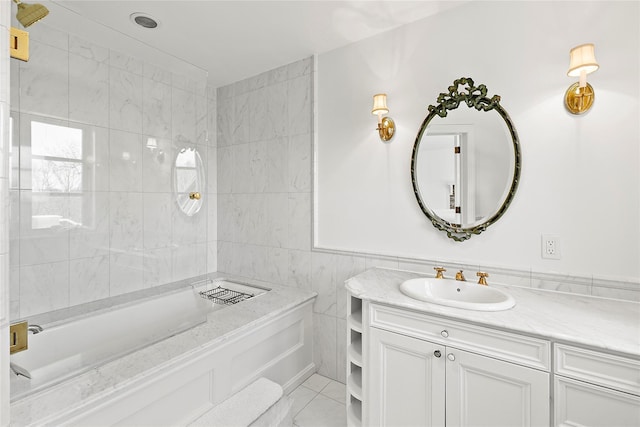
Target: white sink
[(454, 293)]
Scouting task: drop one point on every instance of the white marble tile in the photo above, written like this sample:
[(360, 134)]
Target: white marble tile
[(157, 165), (212, 218), (88, 279), (157, 220), (277, 226), (155, 73), (322, 412), (184, 262), (43, 288), (125, 100), (241, 129), (96, 158), (257, 168), (299, 105), (316, 383), (225, 121), (183, 83), (278, 75), (43, 239), (225, 92), (240, 167), (226, 228), (277, 124), (156, 108), (323, 281), (44, 33), (212, 121), (188, 229), (301, 397), (277, 266), (125, 272), (616, 293), (125, 162), (5, 66), (183, 116), (158, 266), (125, 223), (212, 256), (299, 269), (14, 151), (225, 169), (202, 117), (299, 163), (335, 390), (124, 62), (44, 81), (91, 239), (300, 68), (277, 166), (211, 184), (299, 221), (86, 49), (346, 266), (88, 90), (341, 351)]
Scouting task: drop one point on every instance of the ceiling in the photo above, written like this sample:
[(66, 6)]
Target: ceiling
[(232, 40)]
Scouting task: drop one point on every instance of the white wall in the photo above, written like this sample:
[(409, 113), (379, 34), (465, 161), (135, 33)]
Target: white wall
[(580, 174)]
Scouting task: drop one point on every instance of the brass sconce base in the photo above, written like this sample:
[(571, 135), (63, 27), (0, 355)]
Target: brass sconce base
[(578, 100), (386, 128)]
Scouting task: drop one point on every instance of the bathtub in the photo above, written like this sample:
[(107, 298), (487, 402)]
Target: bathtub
[(163, 360), (66, 349)]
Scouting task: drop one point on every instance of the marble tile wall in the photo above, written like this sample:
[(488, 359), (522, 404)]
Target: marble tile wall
[(96, 217)]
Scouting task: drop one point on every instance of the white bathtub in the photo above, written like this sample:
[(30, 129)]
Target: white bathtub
[(82, 343)]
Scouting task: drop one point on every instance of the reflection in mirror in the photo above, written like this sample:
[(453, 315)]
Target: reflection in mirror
[(466, 161), (188, 180)]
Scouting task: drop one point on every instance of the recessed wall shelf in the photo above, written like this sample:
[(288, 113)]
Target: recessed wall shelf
[(355, 355)]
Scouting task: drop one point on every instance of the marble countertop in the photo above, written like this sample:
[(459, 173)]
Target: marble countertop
[(599, 323), (111, 377)]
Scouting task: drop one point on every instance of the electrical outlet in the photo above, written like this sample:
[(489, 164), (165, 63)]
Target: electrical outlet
[(550, 246)]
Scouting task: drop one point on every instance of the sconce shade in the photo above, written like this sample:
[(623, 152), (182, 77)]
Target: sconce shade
[(582, 58), (380, 104)]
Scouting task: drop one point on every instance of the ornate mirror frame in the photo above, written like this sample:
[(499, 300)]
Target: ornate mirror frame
[(464, 90)]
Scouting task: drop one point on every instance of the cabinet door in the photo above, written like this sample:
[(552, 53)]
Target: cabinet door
[(583, 404), (406, 381), (482, 391)]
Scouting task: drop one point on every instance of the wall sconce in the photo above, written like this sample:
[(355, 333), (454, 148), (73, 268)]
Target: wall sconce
[(386, 126), (580, 96)]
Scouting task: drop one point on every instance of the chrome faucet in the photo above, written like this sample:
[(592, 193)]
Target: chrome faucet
[(35, 329), (460, 276)]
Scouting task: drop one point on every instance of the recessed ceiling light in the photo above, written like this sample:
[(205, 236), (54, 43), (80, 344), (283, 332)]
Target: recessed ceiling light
[(144, 20)]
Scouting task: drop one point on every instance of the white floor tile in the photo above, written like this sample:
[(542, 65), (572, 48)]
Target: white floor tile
[(316, 382), (322, 412), (336, 391), (301, 397)]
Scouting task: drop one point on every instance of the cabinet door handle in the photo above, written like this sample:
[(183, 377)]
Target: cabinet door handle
[(451, 357), (444, 333), (437, 353)]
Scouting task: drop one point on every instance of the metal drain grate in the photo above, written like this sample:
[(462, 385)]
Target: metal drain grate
[(225, 296)]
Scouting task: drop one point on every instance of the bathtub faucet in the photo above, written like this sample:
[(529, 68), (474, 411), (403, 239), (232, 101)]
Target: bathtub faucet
[(35, 329)]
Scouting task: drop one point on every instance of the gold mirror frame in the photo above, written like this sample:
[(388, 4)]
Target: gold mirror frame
[(464, 90)]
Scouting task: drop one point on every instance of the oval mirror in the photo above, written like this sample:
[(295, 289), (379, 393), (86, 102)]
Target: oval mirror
[(188, 180), (465, 165)]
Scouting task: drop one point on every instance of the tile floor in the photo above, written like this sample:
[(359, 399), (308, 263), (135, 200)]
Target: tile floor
[(319, 402)]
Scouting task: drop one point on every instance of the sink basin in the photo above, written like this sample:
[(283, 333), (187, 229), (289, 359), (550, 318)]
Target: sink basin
[(454, 293)]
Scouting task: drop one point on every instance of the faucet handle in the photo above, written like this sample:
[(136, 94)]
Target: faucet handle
[(439, 272), (482, 278), (460, 276)]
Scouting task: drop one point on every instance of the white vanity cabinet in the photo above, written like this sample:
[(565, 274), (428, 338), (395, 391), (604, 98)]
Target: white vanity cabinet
[(423, 370), (595, 389)]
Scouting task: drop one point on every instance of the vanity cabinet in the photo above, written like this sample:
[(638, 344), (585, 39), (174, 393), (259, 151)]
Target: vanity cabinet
[(595, 389), (425, 371)]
